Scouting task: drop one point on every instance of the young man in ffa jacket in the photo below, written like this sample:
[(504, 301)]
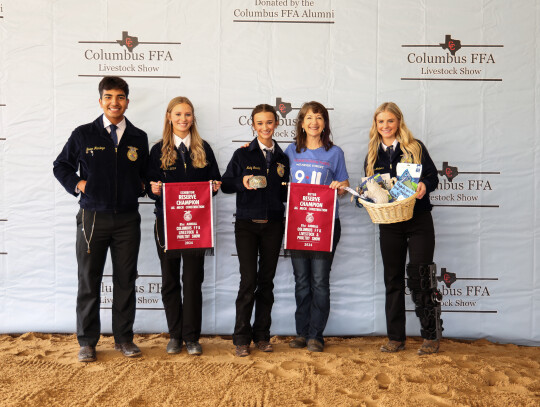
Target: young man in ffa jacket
[(105, 162)]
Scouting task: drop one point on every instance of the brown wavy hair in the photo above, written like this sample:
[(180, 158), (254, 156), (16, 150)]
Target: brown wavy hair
[(300, 138), (409, 146), (168, 152)]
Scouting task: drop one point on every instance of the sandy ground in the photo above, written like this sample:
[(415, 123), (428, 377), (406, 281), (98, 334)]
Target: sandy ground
[(42, 369)]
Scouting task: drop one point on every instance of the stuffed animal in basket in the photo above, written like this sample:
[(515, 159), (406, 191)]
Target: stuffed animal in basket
[(376, 193)]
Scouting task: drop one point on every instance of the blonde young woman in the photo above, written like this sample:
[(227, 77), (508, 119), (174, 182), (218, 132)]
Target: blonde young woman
[(391, 142), (181, 156)]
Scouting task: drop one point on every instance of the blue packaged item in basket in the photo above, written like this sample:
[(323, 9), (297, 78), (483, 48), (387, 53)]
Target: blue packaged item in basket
[(414, 170), (401, 191), (408, 180)]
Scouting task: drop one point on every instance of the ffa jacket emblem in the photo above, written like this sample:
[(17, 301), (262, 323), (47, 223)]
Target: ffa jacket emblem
[(280, 169), (132, 153)]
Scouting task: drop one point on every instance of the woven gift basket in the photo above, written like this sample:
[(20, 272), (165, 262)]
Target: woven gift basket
[(398, 211)]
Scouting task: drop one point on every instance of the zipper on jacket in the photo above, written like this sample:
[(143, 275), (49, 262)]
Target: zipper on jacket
[(115, 178)]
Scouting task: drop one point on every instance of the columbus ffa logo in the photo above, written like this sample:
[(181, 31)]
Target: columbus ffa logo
[(447, 277), (451, 45), (428, 63), (129, 41), (132, 153), (187, 216), (150, 59), (309, 217), (473, 189), (448, 171), (283, 107)]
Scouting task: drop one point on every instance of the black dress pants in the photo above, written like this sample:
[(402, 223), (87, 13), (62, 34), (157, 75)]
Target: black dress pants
[(183, 317), (121, 233), (262, 242), (418, 235)]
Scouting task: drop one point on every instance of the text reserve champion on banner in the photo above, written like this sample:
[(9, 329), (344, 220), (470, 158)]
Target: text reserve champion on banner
[(188, 215), (311, 211)]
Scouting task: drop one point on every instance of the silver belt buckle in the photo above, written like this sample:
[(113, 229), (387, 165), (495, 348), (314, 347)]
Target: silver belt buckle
[(258, 181)]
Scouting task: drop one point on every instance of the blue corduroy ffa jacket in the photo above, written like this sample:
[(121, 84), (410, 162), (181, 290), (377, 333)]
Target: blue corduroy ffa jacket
[(262, 203), (114, 177)]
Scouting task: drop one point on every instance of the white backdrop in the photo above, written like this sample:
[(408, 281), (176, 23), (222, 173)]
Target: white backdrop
[(465, 73)]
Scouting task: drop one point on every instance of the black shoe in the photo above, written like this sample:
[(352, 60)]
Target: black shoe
[(298, 342), (313, 345), (128, 349), (174, 346), (87, 354), (194, 348)]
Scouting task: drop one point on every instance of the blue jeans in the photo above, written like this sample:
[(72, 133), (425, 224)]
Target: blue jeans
[(312, 292)]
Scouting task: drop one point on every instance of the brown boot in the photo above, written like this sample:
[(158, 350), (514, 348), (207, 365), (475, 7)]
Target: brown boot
[(393, 346), (429, 347)]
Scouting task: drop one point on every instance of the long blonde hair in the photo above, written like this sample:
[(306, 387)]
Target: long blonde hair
[(168, 152), (409, 146)]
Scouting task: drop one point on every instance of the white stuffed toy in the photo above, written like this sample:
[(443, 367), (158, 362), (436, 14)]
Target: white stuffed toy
[(376, 193)]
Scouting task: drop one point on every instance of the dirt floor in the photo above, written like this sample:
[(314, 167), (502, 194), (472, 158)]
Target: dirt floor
[(42, 369)]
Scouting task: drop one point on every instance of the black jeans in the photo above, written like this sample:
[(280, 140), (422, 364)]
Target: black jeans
[(418, 235), (121, 232), (183, 319), (262, 242)]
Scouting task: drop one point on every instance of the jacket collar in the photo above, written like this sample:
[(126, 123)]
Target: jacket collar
[(98, 123), (254, 145)]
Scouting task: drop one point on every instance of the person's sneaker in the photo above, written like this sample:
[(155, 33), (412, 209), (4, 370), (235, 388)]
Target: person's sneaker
[(313, 345), (194, 348), (264, 346), (87, 354), (393, 346), (242, 350), (174, 346), (298, 342), (429, 347)]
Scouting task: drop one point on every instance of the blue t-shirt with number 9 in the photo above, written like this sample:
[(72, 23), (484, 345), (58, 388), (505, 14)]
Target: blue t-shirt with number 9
[(317, 166)]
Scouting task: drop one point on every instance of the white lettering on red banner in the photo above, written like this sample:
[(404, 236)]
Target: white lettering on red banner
[(188, 215), (310, 217)]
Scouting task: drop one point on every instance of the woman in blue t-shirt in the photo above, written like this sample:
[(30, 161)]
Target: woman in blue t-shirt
[(314, 159)]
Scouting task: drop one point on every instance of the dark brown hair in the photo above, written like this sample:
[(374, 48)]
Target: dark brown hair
[(301, 137), (264, 108)]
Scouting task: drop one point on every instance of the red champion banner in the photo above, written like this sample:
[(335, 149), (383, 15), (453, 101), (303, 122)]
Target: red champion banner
[(310, 217), (188, 216)]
